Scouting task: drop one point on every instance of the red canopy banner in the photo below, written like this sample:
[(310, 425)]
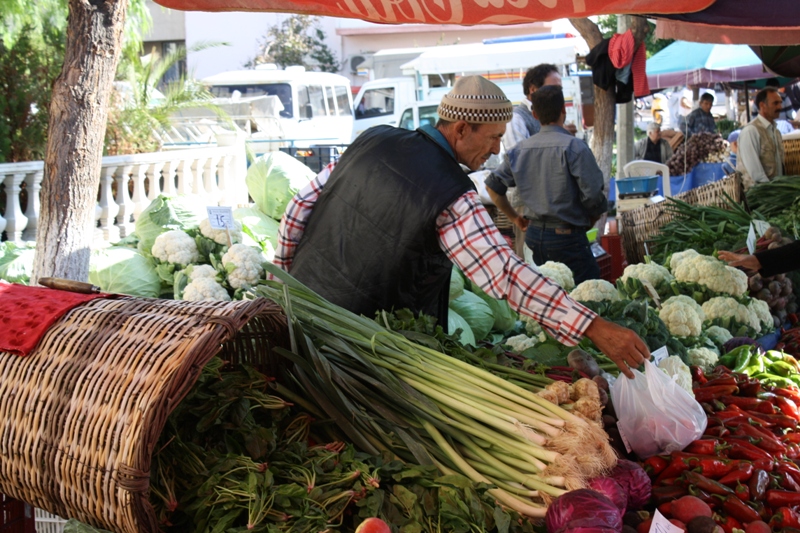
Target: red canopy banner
[(464, 12)]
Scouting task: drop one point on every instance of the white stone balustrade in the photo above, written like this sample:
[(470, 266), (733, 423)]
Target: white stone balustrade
[(216, 174)]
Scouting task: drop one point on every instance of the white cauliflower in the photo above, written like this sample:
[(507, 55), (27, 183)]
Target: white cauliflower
[(760, 309), (243, 265), (559, 273), (678, 257), (532, 328), (712, 273), (220, 236), (718, 335), (682, 316), (175, 246), (595, 290), (651, 272), (726, 307), (201, 271), (205, 290), (676, 368), (705, 358), (520, 343)]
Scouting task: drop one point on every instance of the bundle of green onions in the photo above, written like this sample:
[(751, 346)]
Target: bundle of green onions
[(387, 393)]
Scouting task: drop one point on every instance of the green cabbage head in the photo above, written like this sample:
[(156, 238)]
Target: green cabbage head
[(125, 271)]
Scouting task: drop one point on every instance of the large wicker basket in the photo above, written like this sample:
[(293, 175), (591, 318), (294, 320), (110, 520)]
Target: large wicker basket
[(81, 415), (642, 224), (791, 162)]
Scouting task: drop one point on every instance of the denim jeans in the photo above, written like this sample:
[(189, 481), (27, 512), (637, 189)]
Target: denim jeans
[(572, 249)]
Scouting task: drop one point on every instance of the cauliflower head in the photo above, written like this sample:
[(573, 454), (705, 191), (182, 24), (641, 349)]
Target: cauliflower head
[(760, 309), (532, 328), (682, 316), (726, 307), (678, 257), (712, 273), (718, 335), (595, 290), (677, 369), (220, 236), (175, 246), (243, 265), (201, 271), (705, 358), (520, 343), (559, 273), (205, 290), (651, 272)]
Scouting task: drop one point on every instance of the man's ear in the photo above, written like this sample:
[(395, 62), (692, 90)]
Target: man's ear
[(534, 114), (460, 128)]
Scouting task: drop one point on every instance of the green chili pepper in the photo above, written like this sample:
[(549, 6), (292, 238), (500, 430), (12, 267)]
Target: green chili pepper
[(781, 368), (743, 359)]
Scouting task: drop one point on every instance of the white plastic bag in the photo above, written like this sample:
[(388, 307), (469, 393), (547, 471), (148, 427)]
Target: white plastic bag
[(655, 415)]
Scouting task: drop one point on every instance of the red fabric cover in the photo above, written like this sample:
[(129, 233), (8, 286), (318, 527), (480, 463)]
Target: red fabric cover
[(620, 49), (460, 12), (713, 33), (28, 312), (641, 87)]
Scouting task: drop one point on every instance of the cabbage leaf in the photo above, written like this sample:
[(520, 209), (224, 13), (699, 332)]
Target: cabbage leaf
[(476, 312), (123, 270), (456, 322), (456, 283), (274, 179), (167, 213), (504, 317)]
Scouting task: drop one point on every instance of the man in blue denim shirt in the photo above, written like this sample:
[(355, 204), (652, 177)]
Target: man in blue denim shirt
[(561, 186)]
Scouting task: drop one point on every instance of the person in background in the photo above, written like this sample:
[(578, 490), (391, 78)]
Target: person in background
[(768, 263), (680, 105), (652, 147), (760, 156), (523, 124), (701, 120), (729, 165), (371, 244), (561, 186)]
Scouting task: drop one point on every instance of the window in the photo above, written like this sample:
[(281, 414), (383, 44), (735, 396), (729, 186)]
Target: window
[(428, 115), (376, 103), (342, 101), (282, 90), (330, 99), (407, 119), (311, 101)]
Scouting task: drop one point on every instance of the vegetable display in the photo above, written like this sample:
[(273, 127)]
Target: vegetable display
[(700, 147)]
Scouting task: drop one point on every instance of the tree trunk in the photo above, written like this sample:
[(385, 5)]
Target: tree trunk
[(78, 115), (602, 143)]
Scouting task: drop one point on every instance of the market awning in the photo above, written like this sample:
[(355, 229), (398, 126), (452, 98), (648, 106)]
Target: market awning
[(782, 60), (447, 11), (776, 22), (683, 63)]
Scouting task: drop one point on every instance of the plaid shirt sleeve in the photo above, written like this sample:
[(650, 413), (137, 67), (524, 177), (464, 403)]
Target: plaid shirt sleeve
[(470, 239), (293, 222)]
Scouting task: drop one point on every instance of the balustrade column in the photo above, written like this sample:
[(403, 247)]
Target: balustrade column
[(198, 187), (210, 180), (185, 177), (139, 198), (33, 184), (15, 219), (108, 207), (169, 171), (153, 179), (124, 203)]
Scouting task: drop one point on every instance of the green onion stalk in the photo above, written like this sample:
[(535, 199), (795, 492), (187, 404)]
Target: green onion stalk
[(387, 393)]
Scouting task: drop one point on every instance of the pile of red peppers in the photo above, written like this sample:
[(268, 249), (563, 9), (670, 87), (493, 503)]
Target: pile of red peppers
[(745, 467)]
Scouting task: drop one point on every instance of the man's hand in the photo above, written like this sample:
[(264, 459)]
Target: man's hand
[(749, 262), (572, 128), (521, 222), (619, 344)]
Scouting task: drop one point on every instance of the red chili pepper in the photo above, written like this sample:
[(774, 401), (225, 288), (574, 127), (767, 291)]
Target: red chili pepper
[(787, 482), (791, 437), (706, 393), (784, 517), (728, 523), (708, 485), (720, 381), (742, 492), (745, 450), (667, 494), (765, 441), (711, 500), (655, 465), (739, 510), (792, 394), (761, 419), (716, 431), (680, 462), (741, 472), (793, 450), (767, 465), (704, 446), (768, 408), (781, 421), (714, 467), (697, 375), (739, 401), (750, 387), (782, 498), (730, 414), (788, 467)]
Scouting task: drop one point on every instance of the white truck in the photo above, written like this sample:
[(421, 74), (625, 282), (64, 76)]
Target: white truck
[(431, 75)]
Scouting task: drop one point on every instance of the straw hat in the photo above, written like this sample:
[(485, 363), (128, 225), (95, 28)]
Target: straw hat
[(477, 101)]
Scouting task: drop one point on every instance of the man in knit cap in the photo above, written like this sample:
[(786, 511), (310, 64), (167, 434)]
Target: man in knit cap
[(381, 228)]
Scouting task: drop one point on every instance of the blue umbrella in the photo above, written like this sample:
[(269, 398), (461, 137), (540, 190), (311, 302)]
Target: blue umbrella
[(685, 63)]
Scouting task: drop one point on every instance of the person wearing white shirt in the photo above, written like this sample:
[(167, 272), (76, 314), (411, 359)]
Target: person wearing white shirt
[(760, 143)]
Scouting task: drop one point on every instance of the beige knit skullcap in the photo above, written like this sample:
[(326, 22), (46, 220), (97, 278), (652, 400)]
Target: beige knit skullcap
[(477, 101)]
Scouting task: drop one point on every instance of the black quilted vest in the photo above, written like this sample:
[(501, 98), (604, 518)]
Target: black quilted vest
[(370, 243)]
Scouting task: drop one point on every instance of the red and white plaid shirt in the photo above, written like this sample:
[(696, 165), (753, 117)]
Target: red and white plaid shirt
[(471, 240)]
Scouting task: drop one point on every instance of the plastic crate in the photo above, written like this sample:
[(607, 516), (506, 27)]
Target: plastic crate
[(48, 523), (15, 516), (637, 185)]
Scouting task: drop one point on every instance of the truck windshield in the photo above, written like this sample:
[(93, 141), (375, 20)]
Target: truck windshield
[(282, 90)]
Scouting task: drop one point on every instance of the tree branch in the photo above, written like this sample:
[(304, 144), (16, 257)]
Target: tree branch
[(588, 30)]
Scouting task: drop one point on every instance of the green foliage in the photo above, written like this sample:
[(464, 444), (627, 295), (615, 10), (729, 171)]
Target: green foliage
[(297, 40), (608, 26), (726, 126)]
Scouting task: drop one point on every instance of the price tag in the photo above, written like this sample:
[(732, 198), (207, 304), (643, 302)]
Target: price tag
[(659, 355), (220, 217), (661, 525), (651, 291), (761, 227), (751, 239)]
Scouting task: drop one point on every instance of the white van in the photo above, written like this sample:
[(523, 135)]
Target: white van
[(317, 107)]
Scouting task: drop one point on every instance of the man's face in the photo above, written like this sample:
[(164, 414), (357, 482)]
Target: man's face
[(705, 105), (554, 78), (473, 146), (771, 109), (654, 135)]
